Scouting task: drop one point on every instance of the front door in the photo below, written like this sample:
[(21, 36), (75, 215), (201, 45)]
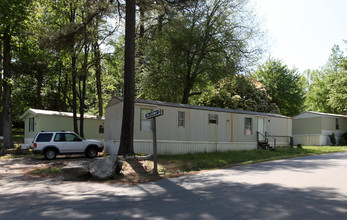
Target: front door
[(261, 129)]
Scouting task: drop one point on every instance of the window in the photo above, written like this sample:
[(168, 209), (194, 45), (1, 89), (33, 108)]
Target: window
[(59, 137), (248, 126), (337, 124), (145, 123), (181, 117), (44, 137), (72, 137), (212, 119), (101, 129), (31, 124)]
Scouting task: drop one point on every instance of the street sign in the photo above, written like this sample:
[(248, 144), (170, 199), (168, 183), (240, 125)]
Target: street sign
[(155, 113)]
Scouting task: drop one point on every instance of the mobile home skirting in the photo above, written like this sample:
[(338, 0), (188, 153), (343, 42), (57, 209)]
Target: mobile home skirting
[(167, 147), (311, 139)]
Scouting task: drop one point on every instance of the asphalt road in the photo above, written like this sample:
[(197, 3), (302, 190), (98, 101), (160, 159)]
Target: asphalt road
[(303, 188)]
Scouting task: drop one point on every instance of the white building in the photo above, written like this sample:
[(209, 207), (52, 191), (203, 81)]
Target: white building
[(36, 120), (192, 129), (314, 128)]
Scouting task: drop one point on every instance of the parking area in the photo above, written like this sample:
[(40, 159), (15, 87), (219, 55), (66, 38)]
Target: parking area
[(19, 167)]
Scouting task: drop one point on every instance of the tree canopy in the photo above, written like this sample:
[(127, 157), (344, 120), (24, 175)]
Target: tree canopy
[(13, 17), (69, 56), (239, 92), (284, 85), (196, 47), (326, 87)]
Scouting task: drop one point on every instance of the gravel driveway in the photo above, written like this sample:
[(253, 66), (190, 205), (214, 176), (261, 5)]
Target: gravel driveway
[(17, 168)]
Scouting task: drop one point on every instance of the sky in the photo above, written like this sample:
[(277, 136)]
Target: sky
[(302, 32)]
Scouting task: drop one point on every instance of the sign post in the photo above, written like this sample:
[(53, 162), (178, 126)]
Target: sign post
[(152, 115), (155, 159)]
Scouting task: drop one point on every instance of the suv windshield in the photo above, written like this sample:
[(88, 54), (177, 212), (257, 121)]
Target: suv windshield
[(44, 137)]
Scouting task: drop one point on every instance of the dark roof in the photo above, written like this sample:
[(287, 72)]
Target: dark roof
[(206, 108)]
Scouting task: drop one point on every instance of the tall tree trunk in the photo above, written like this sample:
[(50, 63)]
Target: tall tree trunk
[(142, 20), (58, 95), (83, 80), (64, 102), (39, 78), (160, 22), (98, 77), (7, 121), (185, 98), (126, 146), (72, 19), (187, 88), (140, 46), (1, 99), (74, 92)]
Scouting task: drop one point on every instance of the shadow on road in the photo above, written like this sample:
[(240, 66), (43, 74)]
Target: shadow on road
[(219, 201), (202, 196)]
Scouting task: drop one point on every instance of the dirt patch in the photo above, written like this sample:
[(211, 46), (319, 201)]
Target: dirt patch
[(26, 164), (141, 171), (133, 171)]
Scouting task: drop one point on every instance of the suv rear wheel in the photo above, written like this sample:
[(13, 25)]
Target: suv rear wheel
[(50, 154), (92, 152)]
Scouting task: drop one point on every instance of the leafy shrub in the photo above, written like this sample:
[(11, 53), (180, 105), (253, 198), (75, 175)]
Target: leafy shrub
[(343, 139), (332, 139)]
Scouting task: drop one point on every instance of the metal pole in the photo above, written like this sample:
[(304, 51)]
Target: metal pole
[(154, 130), (275, 142), (258, 145)]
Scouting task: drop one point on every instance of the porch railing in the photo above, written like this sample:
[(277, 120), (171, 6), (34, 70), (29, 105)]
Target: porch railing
[(268, 135), (260, 144)]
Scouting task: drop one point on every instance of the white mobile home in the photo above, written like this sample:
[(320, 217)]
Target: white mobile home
[(36, 120), (314, 128), (191, 129)]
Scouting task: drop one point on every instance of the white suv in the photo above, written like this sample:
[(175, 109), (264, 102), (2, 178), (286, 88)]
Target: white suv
[(50, 144)]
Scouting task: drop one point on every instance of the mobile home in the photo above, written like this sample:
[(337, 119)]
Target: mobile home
[(192, 129), (36, 120), (314, 128)]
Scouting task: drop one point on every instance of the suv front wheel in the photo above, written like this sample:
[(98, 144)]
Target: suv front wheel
[(92, 152), (50, 154)]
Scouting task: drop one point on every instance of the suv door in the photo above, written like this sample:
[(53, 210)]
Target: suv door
[(59, 141), (73, 143)]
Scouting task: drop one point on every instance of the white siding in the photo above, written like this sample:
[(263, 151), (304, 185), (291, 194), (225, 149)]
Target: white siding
[(113, 126), (181, 147), (314, 128), (198, 135), (310, 140)]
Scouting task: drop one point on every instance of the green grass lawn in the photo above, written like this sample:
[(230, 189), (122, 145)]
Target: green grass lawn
[(18, 135), (204, 161), (47, 172)]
